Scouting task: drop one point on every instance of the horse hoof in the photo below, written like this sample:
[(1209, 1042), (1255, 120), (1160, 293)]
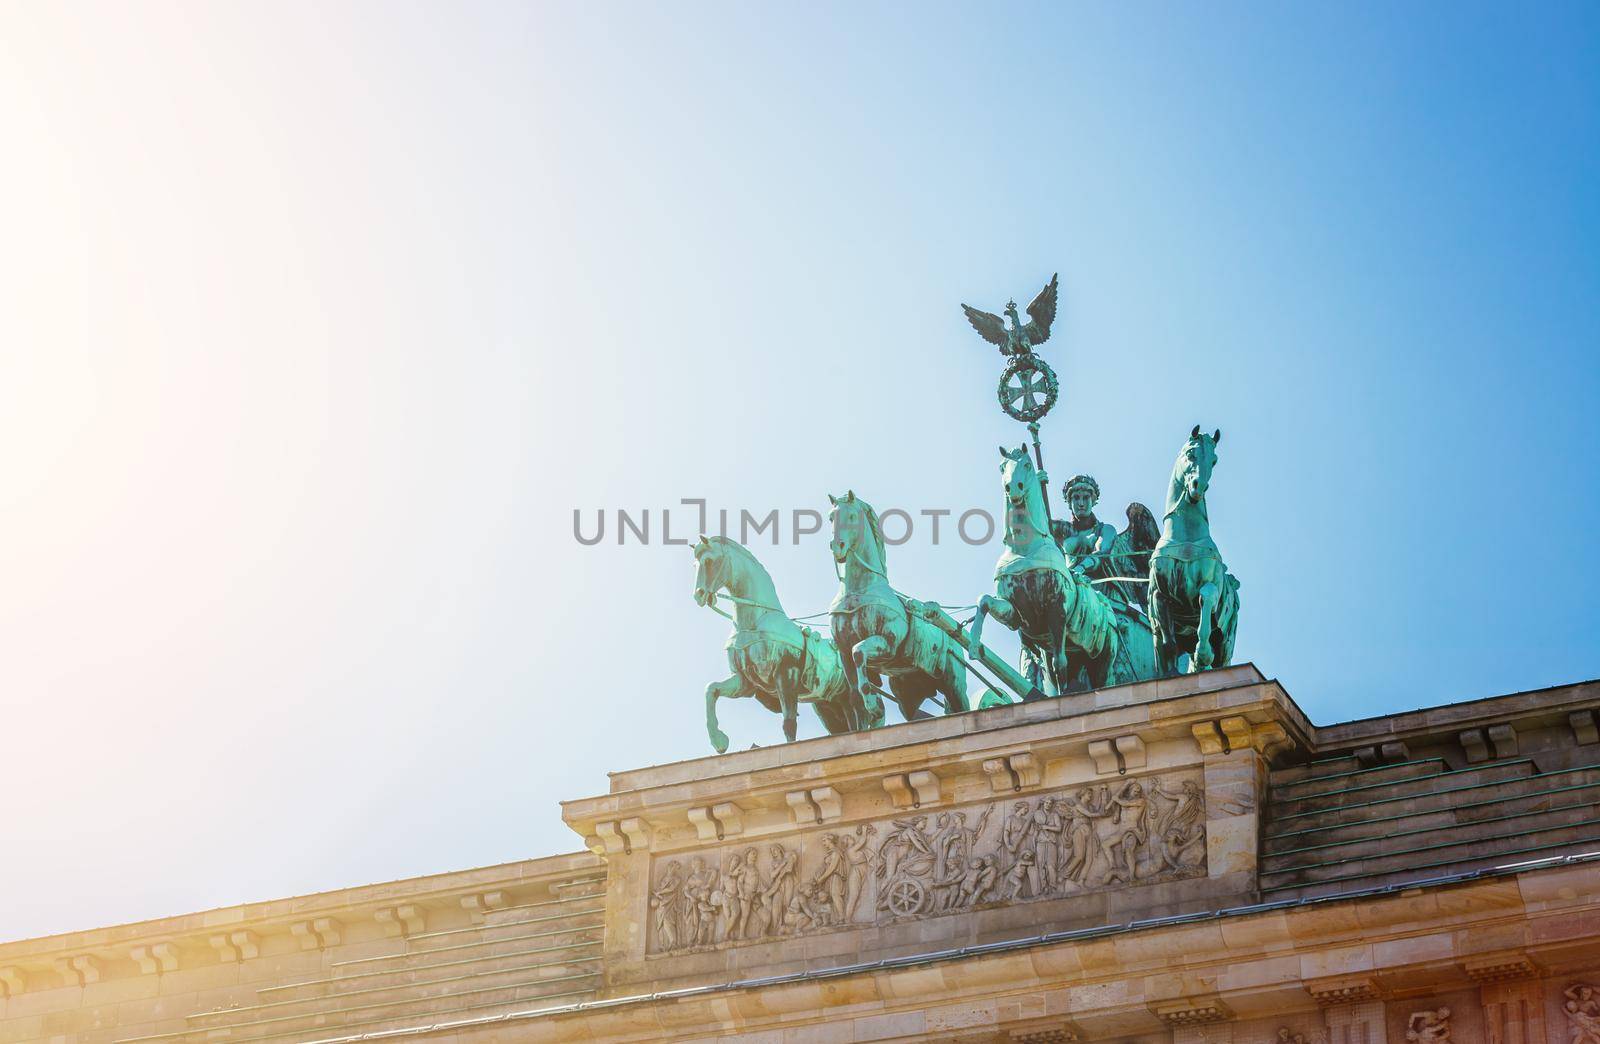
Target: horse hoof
[(719, 740)]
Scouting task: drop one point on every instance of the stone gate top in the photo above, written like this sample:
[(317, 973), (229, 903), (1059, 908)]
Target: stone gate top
[(1180, 861)]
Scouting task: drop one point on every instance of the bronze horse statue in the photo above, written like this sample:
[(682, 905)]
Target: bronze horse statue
[(1065, 624), (1194, 600), (878, 633), (774, 659)]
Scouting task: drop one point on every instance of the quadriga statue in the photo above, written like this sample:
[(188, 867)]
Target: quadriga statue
[(1194, 600), (774, 659), (1065, 624), (878, 634)]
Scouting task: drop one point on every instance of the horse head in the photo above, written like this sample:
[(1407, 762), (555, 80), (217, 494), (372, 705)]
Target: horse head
[(710, 574), (1025, 505), (1016, 471), (853, 522), (1195, 463)]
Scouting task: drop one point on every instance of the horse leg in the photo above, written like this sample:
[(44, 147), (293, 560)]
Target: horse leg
[(1163, 633), (789, 698), (869, 656), (1056, 656), (910, 691), (1227, 620), (952, 682), (1062, 668), (998, 608), (1099, 667), (836, 718), (863, 704), (1203, 653), (1074, 666), (728, 688), (1033, 668)]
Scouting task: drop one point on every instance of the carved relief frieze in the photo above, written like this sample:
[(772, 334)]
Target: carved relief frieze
[(926, 864), (1429, 1027), (1582, 1008)]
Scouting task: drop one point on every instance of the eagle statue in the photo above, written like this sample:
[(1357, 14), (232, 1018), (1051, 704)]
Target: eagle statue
[(1020, 339)]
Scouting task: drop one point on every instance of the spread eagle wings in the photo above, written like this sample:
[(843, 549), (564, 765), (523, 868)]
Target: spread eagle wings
[(1042, 312), (990, 327)]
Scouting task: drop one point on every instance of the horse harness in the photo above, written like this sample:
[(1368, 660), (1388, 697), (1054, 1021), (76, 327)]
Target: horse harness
[(737, 645), (1206, 550)]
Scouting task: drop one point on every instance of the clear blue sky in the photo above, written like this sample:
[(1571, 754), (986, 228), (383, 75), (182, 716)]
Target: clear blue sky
[(318, 321)]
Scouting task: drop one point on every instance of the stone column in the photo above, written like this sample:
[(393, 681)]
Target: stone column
[(1511, 995), (1513, 1013), (1358, 1023), (1235, 784), (626, 851), (1352, 1007)]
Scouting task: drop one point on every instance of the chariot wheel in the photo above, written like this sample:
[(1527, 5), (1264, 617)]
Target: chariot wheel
[(1028, 388), (906, 897)]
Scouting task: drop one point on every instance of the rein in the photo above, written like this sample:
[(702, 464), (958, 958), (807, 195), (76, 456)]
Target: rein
[(855, 553)]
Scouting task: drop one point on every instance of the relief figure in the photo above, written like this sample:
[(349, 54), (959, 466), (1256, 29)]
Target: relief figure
[(665, 899), (979, 880), (780, 890), (1047, 844), (1023, 880), (905, 843), (1429, 1027), (1182, 829), (1083, 841), (833, 875), (947, 888), (698, 909), (1582, 1007), (1014, 837), (858, 855), (1130, 810), (733, 904)]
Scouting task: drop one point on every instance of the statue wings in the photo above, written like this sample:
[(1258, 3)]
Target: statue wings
[(990, 327), (1130, 553), (1041, 313)]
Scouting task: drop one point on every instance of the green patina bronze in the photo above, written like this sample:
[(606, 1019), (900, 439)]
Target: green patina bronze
[(1093, 606), (1118, 564), (1194, 600), (879, 632), (1064, 623), (773, 658), (1028, 386)]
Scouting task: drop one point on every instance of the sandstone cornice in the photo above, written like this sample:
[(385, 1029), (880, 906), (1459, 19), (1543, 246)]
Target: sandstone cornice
[(235, 933), (930, 763), (1500, 967), (1552, 707)]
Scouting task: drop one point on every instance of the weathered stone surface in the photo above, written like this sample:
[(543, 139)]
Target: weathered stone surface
[(1441, 895)]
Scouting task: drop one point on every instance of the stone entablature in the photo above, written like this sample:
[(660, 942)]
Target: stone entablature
[(1160, 784)]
